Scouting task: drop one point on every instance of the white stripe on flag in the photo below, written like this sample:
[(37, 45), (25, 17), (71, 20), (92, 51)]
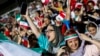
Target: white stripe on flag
[(23, 23)]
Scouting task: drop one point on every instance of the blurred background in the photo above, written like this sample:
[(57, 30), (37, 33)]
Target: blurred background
[(7, 5)]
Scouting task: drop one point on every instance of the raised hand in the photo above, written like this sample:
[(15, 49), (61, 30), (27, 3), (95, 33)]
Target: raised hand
[(84, 37)]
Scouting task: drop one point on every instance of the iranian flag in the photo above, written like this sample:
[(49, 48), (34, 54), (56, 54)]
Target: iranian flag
[(24, 24), (10, 48), (61, 16)]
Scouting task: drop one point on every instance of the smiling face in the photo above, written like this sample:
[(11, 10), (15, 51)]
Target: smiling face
[(73, 44), (50, 33), (92, 30)]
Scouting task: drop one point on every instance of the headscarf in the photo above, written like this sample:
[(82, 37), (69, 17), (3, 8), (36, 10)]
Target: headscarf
[(96, 36), (92, 23)]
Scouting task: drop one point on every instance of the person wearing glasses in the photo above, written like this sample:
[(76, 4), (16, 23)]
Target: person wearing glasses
[(50, 40)]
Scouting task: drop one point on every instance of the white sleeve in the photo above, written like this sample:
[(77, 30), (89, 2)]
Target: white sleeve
[(91, 50), (97, 36)]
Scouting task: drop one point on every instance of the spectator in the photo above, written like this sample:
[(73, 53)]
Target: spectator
[(51, 42), (75, 45), (93, 30)]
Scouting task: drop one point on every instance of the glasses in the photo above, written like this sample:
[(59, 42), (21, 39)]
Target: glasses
[(48, 31)]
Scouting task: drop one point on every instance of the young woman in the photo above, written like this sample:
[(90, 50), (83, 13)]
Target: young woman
[(50, 40), (93, 30), (75, 46)]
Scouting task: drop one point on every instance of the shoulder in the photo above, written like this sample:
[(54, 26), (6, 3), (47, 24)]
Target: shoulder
[(91, 50), (42, 37)]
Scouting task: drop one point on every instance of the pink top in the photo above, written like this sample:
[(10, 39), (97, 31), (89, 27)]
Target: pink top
[(91, 50)]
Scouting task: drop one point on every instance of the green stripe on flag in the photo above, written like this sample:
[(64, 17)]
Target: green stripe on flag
[(3, 37), (71, 36), (18, 17)]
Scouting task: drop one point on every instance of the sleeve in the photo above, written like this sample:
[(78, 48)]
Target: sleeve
[(91, 50), (67, 23), (96, 37), (43, 41)]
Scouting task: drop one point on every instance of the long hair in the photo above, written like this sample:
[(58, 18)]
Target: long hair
[(58, 38), (69, 49), (70, 32)]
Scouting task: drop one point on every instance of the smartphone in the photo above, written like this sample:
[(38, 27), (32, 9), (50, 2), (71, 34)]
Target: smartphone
[(23, 8)]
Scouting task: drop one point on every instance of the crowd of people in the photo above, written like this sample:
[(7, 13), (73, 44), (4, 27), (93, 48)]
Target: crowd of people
[(56, 27)]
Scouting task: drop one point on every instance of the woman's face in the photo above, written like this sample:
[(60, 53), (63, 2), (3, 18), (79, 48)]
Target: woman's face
[(46, 21), (90, 6), (92, 30), (73, 44), (50, 33), (59, 4)]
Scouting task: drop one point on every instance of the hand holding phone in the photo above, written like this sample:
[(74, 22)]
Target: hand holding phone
[(23, 8)]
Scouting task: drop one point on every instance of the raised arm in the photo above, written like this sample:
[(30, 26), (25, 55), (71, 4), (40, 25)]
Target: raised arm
[(68, 10), (95, 42), (32, 25)]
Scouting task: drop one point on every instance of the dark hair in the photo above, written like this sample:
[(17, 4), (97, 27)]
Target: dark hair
[(91, 25), (58, 37), (33, 41), (91, 2), (77, 9), (65, 52), (69, 50), (60, 2), (38, 11), (98, 3), (72, 31)]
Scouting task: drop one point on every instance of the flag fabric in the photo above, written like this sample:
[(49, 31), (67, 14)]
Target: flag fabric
[(61, 16), (10, 48), (24, 24), (3, 37), (45, 2), (25, 41), (18, 17), (71, 36), (78, 5), (72, 4), (38, 21)]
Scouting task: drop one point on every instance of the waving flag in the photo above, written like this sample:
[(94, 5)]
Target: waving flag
[(61, 16), (45, 2), (24, 24), (9, 48)]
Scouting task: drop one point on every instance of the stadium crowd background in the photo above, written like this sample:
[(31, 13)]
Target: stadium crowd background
[(51, 26)]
